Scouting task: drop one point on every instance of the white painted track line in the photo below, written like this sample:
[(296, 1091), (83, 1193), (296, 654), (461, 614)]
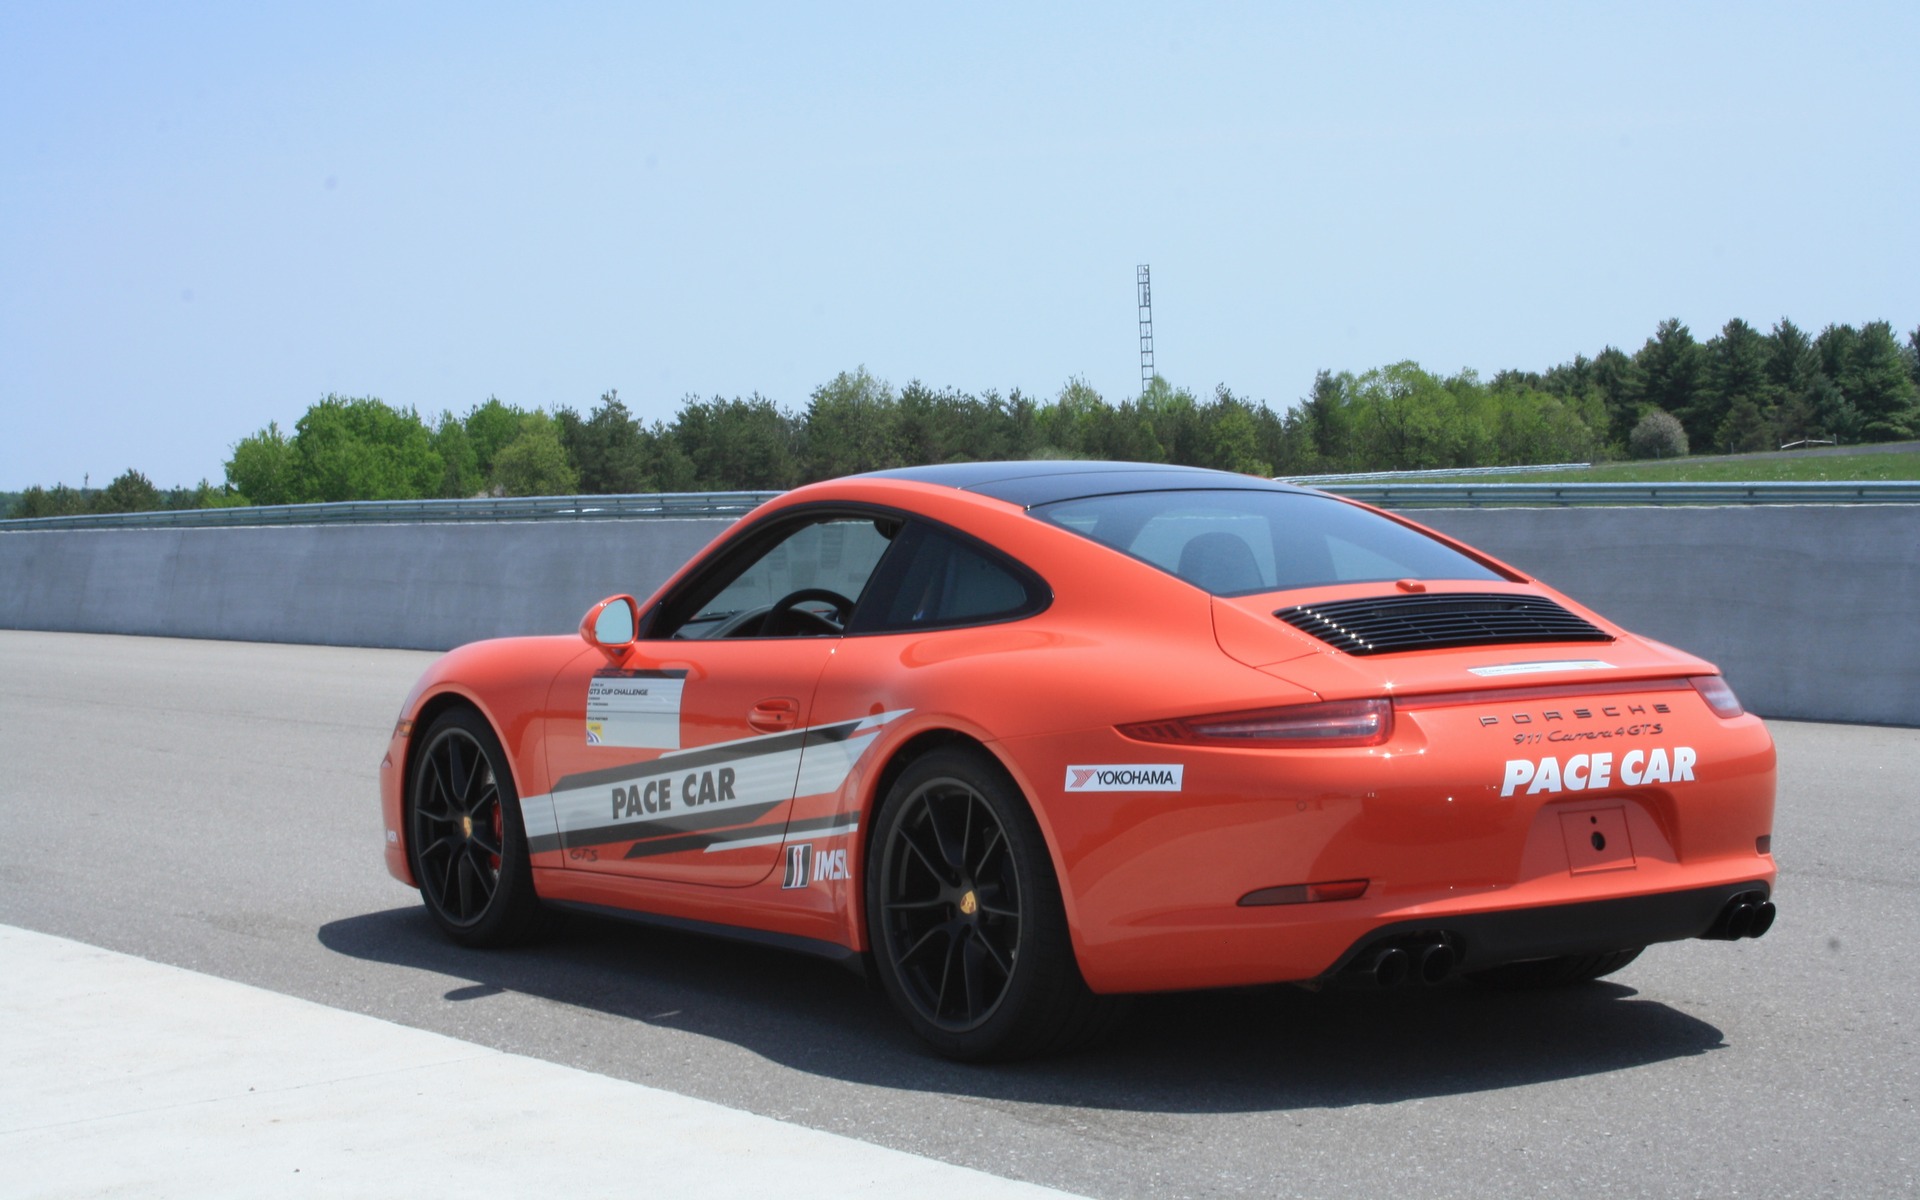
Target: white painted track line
[(120, 1076)]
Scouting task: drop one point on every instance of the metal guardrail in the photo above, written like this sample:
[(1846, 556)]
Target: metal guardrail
[(1321, 481), (361, 512), (734, 504), (1569, 495)]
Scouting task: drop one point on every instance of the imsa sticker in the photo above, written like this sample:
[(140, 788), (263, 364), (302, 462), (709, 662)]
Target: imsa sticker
[(639, 709), (1126, 777), (805, 865)]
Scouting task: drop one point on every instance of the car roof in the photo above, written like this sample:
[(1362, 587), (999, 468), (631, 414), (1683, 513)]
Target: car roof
[(1043, 482)]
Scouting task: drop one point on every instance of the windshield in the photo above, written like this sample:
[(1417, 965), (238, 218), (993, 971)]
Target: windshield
[(1234, 543)]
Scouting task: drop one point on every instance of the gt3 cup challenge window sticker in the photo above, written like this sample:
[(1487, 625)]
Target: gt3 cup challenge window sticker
[(638, 709)]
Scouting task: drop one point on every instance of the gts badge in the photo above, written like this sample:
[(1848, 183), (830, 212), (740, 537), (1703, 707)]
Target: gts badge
[(804, 866)]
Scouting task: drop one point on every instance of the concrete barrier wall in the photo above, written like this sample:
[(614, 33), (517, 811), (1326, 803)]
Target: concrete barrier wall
[(422, 587), (1813, 612)]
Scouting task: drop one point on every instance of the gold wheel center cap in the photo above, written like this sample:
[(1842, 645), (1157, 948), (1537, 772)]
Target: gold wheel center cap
[(466, 826), (969, 904)]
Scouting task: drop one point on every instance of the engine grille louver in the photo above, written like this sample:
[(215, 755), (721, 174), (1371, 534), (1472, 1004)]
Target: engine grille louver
[(1388, 624)]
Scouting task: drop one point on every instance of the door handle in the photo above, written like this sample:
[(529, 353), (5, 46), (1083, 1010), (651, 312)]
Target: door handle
[(775, 715)]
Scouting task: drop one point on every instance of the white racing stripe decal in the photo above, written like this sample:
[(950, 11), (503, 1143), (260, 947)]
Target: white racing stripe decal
[(839, 826), (824, 767), (707, 787), (536, 816)]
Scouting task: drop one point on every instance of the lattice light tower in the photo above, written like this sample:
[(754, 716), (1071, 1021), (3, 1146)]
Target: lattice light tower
[(1146, 328)]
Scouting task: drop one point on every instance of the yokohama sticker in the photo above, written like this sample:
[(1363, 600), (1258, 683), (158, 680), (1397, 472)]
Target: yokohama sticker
[(1126, 777)]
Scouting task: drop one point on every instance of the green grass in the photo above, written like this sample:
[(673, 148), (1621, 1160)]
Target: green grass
[(1810, 469)]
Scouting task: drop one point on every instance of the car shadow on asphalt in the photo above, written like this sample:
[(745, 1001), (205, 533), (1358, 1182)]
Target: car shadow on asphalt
[(1246, 1050)]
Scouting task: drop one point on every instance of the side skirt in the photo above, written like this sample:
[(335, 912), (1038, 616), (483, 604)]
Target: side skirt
[(853, 960)]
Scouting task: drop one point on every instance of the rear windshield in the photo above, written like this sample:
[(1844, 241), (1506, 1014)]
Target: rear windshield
[(1234, 543)]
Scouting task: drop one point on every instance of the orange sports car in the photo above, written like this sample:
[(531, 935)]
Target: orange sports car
[(1020, 739)]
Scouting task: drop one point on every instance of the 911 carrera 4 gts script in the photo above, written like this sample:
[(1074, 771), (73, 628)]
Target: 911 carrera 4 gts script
[(635, 708)]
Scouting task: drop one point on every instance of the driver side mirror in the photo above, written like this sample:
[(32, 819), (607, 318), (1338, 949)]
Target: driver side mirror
[(610, 625)]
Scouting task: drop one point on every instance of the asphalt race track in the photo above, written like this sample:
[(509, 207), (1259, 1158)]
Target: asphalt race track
[(211, 806)]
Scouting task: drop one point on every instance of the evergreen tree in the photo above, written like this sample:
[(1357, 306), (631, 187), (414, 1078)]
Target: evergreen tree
[(739, 445), (1325, 427), (1790, 359), (56, 501), (1670, 364), (1576, 378), (1833, 350), (1876, 381), (1623, 389), (1231, 436), (1737, 395), (852, 425), (130, 491), (610, 451)]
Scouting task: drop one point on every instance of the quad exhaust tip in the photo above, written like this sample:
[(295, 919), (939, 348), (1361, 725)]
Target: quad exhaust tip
[(1747, 915), (1425, 959), (1430, 959)]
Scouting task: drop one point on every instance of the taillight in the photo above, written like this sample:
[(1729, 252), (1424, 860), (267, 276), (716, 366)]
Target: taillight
[(1719, 697), (1331, 724)]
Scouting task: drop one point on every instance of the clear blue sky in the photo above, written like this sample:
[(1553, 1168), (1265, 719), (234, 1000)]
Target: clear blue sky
[(213, 215)]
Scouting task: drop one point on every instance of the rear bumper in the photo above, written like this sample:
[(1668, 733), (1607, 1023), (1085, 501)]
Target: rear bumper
[(1488, 939), (1543, 918)]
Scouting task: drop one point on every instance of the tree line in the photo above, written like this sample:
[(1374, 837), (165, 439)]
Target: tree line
[(1740, 390)]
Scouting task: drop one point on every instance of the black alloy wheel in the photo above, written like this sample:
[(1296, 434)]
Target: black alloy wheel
[(965, 917), (464, 835), (951, 904)]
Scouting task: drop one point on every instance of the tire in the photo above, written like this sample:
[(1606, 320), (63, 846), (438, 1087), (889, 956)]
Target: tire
[(465, 840), (964, 915), (1555, 972)]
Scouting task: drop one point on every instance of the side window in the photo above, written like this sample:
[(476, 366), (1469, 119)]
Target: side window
[(936, 579), (798, 579)]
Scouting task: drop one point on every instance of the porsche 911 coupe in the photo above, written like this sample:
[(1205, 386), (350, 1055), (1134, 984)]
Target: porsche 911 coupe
[(1022, 739)]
